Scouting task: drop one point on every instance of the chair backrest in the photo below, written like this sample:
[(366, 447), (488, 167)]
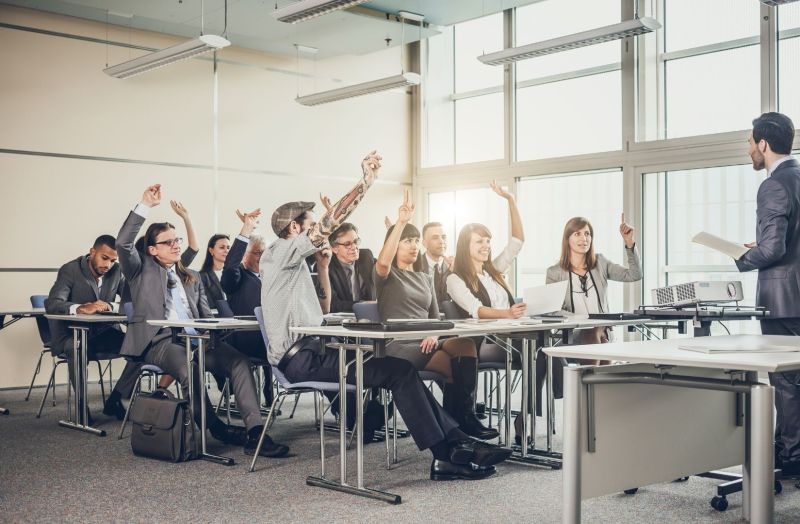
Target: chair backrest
[(224, 309), (43, 325), (127, 309), (451, 311), (277, 373), (367, 310)]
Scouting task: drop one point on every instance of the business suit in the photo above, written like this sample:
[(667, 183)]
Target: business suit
[(439, 279), (212, 286), (148, 285), (777, 259), (75, 285), (342, 287)]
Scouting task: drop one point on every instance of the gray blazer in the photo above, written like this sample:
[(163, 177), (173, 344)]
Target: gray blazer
[(76, 285), (777, 254), (147, 281), (604, 271)]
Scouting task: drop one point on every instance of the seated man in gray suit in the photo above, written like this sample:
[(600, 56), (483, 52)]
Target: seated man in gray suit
[(88, 285), (350, 269), (776, 256), (162, 288)]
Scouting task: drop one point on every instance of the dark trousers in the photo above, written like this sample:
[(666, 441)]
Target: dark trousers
[(427, 421), (223, 360), (251, 343), (787, 396), (106, 341)]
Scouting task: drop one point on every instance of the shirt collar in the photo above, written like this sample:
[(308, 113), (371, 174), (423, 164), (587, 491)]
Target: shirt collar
[(433, 264), (779, 162)]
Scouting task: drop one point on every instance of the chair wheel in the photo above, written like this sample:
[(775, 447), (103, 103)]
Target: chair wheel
[(681, 479), (778, 487), (631, 491), (719, 503)]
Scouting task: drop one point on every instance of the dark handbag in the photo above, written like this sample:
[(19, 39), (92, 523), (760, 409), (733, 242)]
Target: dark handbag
[(162, 427)]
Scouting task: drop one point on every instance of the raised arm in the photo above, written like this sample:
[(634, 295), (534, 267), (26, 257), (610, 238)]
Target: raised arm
[(232, 270), (516, 221), (129, 259), (189, 254), (384, 262), (339, 211)]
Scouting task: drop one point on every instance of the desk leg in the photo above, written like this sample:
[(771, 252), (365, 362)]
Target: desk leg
[(524, 413), (748, 441), (507, 383), (201, 368), (551, 405), (762, 458), (342, 416), (80, 351), (573, 392)]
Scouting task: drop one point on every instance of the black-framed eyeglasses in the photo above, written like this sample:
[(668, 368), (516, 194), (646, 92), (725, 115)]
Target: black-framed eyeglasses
[(171, 242), (348, 245)]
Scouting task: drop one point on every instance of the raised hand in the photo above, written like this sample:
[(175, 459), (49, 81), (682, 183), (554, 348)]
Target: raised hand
[(249, 220), (152, 196), (406, 210), (626, 230), (500, 191), (370, 166), (179, 209), (325, 202), (387, 222), (323, 258)]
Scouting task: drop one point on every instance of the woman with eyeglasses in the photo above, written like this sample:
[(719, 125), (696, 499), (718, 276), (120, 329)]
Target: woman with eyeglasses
[(589, 272), (407, 294)]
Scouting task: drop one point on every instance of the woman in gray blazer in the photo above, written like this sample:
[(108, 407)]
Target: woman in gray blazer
[(588, 272)]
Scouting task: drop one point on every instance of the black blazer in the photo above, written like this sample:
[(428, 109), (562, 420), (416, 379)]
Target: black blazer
[(439, 283), (212, 286), (777, 254), (76, 285), (341, 288), (242, 286)]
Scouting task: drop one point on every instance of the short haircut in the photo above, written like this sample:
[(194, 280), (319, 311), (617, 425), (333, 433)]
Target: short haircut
[(343, 228), (105, 240), (778, 131), (256, 240), (430, 225), (299, 219)]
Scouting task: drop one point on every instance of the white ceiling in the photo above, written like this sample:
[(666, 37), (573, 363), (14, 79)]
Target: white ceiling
[(356, 31)]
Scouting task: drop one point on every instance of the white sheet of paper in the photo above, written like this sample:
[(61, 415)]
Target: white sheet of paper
[(545, 299), (765, 348), (726, 247)]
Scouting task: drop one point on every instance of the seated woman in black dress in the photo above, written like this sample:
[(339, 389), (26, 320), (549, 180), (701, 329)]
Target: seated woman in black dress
[(405, 294)]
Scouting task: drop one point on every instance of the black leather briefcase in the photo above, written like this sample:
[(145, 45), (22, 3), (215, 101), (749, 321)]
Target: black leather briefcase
[(162, 427)]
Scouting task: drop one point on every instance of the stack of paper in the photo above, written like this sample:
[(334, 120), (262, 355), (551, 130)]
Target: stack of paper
[(716, 243)]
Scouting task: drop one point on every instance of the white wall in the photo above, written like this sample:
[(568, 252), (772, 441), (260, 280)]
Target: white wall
[(158, 127)]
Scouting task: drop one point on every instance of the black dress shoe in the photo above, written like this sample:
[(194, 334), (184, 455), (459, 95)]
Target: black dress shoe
[(483, 454), (114, 408), (790, 469), (270, 448), (235, 435), (441, 470), (473, 427)]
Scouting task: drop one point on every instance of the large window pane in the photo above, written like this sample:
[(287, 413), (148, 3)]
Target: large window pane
[(550, 19), (712, 93), (479, 128), (438, 109), (789, 61), (690, 23), (576, 116), (546, 203), (679, 204), (474, 38)]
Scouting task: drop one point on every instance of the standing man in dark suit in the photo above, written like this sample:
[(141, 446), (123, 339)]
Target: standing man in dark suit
[(434, 262), (86, 286), (241, 281), (162, 288), (350, 270), (776, 256)]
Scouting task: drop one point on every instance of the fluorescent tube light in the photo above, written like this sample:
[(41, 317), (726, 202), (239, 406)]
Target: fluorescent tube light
[(776, 3), (608, 33), (373, 86), (167, 56), (308, 9)]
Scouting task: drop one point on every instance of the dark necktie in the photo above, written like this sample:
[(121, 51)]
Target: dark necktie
[(437, 281)]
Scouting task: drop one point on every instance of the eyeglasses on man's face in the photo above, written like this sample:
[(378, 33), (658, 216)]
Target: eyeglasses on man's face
[(171, 242), (351, 244)]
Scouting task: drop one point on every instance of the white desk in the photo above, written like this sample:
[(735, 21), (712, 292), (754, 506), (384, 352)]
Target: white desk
[(80, 326), (215, 327), (16, 315), (619, 419)]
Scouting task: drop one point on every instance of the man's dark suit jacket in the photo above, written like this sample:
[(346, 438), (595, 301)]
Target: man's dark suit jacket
[(242, 286), (777, 254), (76, 285), (439, 284), (341, 287)]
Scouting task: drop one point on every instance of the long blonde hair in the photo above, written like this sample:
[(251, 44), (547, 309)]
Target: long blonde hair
[(463, 266), (576, 224)]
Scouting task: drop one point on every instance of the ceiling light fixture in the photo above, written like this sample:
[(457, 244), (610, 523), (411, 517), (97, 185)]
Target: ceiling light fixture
[(308, 9), (776, 3), (150, 61), (637, 26)]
